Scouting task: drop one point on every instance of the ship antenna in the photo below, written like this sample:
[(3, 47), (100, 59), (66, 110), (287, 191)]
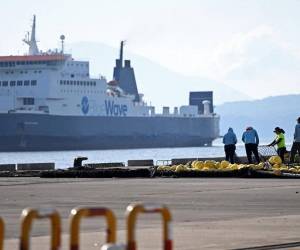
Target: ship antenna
[(33, 48), (62, 38)]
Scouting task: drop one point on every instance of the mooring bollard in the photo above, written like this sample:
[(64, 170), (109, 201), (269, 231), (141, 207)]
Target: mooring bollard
[(2, 228), (27, 217), (134, 209), (78, 213)]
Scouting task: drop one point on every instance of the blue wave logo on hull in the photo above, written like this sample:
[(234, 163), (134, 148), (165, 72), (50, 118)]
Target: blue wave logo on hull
[(85, 105)]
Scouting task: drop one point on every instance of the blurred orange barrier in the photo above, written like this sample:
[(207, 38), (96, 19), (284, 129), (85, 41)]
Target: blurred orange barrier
[(134, 209), (27, 218), (78, 213), (1, 233)]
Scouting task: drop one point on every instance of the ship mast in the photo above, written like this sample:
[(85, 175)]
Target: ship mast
[(33, 48)]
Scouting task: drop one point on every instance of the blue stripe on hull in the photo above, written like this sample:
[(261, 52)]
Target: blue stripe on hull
[(27, 132)]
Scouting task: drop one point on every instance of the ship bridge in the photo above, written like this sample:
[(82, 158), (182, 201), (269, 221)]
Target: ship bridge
[(48, 60)]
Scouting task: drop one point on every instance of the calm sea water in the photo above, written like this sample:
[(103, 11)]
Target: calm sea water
[(64, 159)]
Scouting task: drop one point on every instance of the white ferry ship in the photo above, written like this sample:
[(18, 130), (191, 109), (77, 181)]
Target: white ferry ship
[(48, 101)]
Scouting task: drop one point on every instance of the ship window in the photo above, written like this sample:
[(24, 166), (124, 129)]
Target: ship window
[(33, 82), (68, 83), (12, 83), (28, 101), (72, 75), (26, 83), (19, 83), (84, 83), (78, 82), (5, 83), (0, 83), (88, 83)]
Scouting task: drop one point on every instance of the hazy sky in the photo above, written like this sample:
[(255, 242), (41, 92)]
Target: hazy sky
[(251, 45)]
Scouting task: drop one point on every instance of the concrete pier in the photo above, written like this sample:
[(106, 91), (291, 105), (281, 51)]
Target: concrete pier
[(36, 166), (207, 213)]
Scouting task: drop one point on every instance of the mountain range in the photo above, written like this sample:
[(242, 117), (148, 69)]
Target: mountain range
[(264, 115)]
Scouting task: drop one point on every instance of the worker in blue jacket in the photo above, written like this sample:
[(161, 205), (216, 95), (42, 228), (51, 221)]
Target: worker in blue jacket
[(251, 140), (229, 140), (296, 143)]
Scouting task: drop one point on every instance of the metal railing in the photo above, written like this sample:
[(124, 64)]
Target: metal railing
[(131, 213), (29, 215), (78, 213), (2, 229)]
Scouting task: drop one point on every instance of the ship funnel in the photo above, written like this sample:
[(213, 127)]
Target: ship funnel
[(125, 76)]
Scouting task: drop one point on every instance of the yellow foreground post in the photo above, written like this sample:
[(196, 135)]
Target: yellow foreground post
[(134, 209), (1, 233), (78, 213), (27, 218)]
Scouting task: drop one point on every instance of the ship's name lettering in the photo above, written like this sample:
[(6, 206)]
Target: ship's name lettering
[(115, 109)]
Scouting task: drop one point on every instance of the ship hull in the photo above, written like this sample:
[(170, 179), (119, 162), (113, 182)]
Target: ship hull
[(37, 132)]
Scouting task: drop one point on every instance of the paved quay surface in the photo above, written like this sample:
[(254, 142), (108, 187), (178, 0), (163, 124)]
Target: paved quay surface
[(208, 213)]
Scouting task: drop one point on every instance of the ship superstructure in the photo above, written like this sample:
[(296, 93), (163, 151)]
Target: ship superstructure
[(49, 101)]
